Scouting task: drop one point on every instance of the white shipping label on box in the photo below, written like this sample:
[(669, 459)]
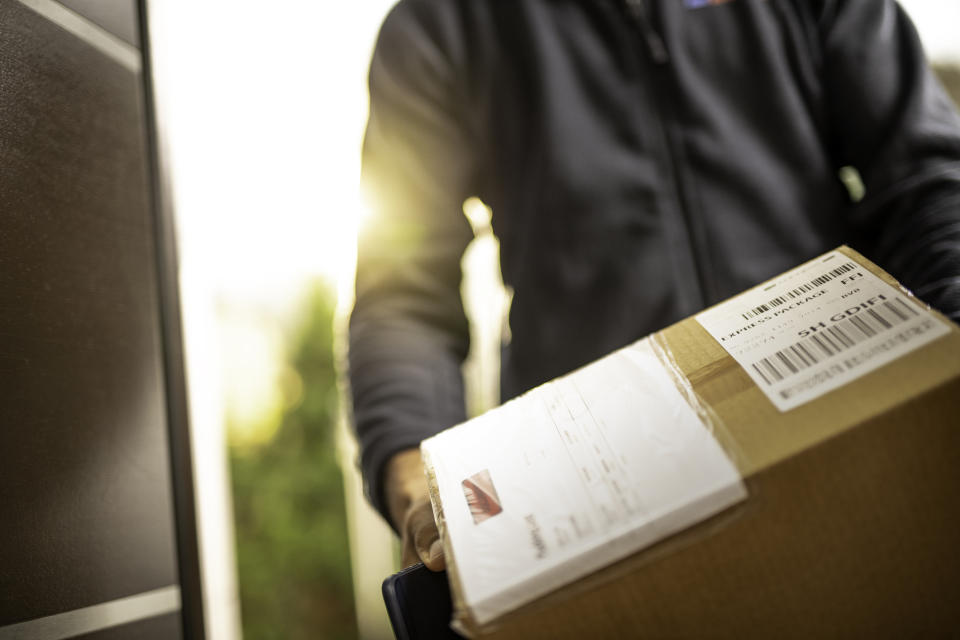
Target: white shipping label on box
[(818, 327), (573, 476)]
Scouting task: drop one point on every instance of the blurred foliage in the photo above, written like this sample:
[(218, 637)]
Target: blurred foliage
[(950, 77), (292, 554)]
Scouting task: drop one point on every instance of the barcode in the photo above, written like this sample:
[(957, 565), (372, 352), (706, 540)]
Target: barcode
[(832, 340), (799, 291)]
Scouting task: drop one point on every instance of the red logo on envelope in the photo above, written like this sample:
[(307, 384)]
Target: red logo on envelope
[(481, 496)]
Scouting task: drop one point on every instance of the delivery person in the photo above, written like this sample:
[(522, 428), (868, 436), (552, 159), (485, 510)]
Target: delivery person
[(643, 159)]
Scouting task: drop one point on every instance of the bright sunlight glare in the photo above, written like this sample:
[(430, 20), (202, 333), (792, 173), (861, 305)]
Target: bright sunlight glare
[(266, 123)]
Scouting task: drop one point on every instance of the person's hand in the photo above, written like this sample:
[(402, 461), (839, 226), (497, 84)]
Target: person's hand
[(408, 500)]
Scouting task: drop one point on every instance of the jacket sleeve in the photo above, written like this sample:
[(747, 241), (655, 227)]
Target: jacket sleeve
[(894, 122), (408, 332)]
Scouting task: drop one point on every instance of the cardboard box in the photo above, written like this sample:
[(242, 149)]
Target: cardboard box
[(850, 458)]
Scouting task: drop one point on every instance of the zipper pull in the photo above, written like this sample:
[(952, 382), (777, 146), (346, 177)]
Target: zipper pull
[(655, 45)]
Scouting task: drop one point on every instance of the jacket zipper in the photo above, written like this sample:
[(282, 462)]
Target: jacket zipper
[(639, 12), (641, 17)]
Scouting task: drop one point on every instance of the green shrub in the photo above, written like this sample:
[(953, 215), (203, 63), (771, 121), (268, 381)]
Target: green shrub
[(292, 554)]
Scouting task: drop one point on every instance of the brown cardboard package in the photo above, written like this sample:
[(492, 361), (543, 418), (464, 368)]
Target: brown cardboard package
[(851, 527)]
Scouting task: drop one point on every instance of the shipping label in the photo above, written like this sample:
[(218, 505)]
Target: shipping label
[(819, 327)]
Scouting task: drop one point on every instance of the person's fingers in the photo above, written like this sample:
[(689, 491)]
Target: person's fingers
[(421, 530), (412, 522), (424, 530), (435, 560), (405, 483), (409, 504)]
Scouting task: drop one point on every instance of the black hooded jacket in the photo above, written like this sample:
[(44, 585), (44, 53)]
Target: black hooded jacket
[(642, 159)]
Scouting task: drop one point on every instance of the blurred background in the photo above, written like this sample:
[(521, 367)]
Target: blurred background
[(262, 108)]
